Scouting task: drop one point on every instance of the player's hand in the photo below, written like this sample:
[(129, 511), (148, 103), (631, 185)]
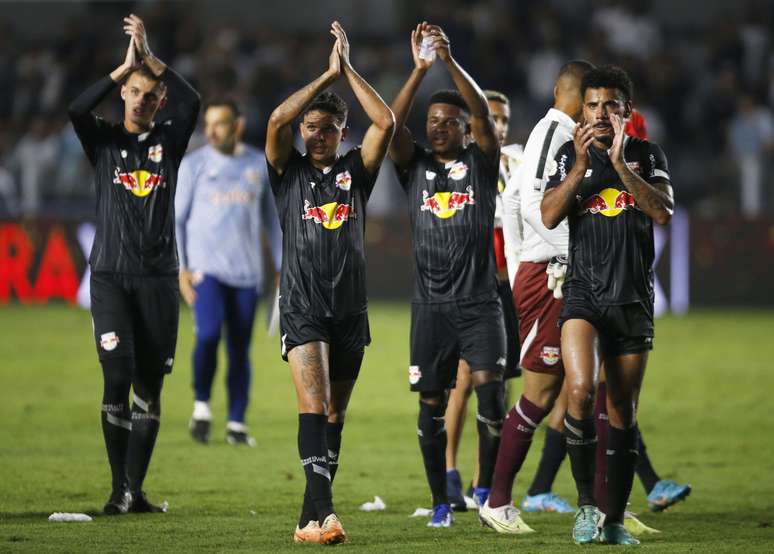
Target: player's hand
[(131, 61), (342, 43), (334, 61), (556, 271), (616, 150), (416, 42), (582, 137), (441, 43), (135, 28), (187, 290)]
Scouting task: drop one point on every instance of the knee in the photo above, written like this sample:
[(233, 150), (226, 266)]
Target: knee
[(431, 422), (337, 415), (207, 336), (580, 397)]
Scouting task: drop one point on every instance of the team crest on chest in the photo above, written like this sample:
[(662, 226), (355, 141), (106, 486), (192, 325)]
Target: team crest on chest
[(344, 180), (156, 153), (331, 215), (458, 171), (447, 204)]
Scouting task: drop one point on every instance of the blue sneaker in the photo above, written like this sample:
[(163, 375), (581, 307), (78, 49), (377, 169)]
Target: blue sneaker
[(586, 528), (615, 533), (665, 494), (546, 502), (454, 491), (480, 495), (442, 516)]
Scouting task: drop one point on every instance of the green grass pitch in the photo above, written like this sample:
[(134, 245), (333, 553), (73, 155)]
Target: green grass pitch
[(707, 416)]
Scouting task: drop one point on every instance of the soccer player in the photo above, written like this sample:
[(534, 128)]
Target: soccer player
[(321, 199), (456, 313), (456, 410), (223, 203), (611, 189), (538, 309), (134, 287)]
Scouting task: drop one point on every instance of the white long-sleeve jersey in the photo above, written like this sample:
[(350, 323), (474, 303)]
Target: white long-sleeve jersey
[(524, 192), (511, 224)]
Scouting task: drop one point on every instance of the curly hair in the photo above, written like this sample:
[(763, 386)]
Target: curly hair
[(608, 76)]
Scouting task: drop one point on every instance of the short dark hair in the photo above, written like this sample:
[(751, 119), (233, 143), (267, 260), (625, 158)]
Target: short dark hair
[(331, 103), (497, 96), (608, 76), (449, 96), (576, 68), (224, 103), (144, 71)]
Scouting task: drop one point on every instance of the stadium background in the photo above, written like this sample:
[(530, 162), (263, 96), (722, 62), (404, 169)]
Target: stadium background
[(704, 78)]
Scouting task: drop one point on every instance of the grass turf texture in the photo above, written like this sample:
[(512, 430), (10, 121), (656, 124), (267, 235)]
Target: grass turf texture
[(706, 417)]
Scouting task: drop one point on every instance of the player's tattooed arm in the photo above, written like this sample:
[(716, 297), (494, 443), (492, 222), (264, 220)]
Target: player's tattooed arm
[(279, 134), (558, 202), (481, 122), (135, 28), (402, 145), (378, 135), (655, 199)]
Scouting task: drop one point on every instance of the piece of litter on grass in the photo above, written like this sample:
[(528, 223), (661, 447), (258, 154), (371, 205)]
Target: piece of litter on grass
[(64, 516), (375, 506), (252, 512), (164, 506), (422, 512)]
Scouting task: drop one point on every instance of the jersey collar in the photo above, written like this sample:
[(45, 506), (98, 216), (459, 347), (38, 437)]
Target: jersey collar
[(558, 115)]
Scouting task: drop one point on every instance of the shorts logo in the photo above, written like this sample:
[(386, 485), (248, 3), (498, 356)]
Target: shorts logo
[(414, 374), (501, 361), (550, 355), (331, 215), (169, 362), (447, 204), (344, 180), (429, 175), (108, 341), (155, 153), (458, 171)]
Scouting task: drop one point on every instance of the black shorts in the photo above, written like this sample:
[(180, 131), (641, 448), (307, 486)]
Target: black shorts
[(344, 336), (623, 329), (441, 334), (137, 318)]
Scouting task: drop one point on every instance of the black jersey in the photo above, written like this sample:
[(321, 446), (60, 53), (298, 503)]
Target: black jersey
[(452, 207), (136, 177), (322, 214), (611, 240)]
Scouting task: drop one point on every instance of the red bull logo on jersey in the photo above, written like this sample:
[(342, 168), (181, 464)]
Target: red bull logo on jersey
[(447, 204), (331, 215), (609, 202), (458, 171), (139, 182), (344, 180)]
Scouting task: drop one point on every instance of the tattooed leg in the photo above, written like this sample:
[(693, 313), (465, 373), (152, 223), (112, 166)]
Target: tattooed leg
[(309, 367)]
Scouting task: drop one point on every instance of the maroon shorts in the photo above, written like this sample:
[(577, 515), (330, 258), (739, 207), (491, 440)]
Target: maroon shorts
[(538, 312), (499, 248)]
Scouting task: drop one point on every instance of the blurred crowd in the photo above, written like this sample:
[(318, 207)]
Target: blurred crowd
[(706, 90)]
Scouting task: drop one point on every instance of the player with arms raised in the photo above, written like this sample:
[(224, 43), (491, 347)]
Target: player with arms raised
[(321, 201), (134, 288)]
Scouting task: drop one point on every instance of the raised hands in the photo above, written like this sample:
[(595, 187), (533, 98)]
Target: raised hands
[(342, 43), (582, 137), (616, 149), (135, 28)]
